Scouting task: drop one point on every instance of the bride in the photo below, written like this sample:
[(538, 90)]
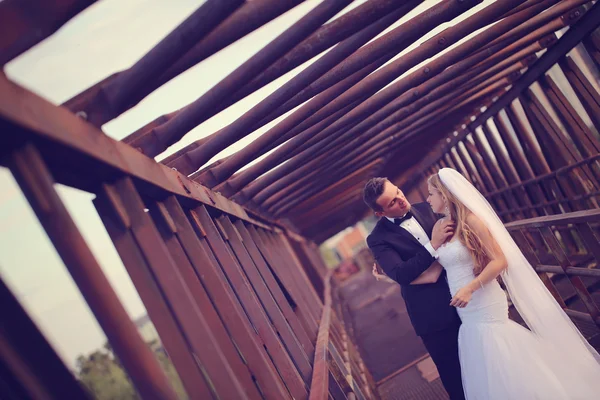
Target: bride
[(499, 358)]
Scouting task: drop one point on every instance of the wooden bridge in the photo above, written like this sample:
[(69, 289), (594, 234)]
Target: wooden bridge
[(224, 255)]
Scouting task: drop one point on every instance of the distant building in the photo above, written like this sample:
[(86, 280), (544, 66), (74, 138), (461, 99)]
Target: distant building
[(346, 244)]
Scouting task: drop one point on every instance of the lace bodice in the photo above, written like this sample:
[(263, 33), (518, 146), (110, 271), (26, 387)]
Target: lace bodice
[(458, 263), (489, 303)]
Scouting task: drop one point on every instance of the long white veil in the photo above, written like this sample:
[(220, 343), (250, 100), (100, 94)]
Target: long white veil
[(536, 305)]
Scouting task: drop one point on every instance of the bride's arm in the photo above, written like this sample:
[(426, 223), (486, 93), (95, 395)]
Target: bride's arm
[(490, 272), (430, 275)]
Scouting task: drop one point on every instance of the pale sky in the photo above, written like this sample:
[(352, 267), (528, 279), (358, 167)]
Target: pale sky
[(110, 36)]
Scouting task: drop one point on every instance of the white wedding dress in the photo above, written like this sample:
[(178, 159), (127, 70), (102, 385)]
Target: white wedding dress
[(499, 358)]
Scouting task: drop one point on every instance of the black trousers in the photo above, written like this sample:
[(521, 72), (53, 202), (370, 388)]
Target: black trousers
[(443, 349)]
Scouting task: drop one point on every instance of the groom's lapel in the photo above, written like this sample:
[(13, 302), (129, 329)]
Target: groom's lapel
[(423, 221), (399, 230)]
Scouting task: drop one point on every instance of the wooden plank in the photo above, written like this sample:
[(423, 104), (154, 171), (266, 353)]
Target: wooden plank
[(75, 145), (569, 271), (591, 241), (227, 304), (303, 310), (293, 378), (117, 223), (289, 268), (587, 95), (367, 374), (283, 244), (582, 136), (580, 316), (167, 230), (576, 281), (335, 389), (319, 387), (338, 368), (24, 24), (586, 216), (562, 150), (529, 254), (126, 88), (309, 248), (189, 314), (273, 311), (275, 290), (34, 178)]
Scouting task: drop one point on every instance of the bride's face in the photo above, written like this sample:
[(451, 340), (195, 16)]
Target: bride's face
[(435, 200)]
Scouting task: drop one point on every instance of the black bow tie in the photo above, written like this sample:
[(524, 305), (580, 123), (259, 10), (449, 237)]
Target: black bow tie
[(398, 221)]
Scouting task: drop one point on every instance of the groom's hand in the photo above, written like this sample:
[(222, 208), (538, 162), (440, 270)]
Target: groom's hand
[(442, 231), (375, 272)]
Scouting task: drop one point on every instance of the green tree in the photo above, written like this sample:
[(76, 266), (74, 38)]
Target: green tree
[(103, 375)]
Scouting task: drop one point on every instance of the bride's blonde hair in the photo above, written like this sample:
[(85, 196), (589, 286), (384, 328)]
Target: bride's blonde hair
[(464, 233)]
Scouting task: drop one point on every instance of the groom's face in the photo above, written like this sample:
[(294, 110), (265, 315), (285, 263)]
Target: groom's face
[(393, 202)]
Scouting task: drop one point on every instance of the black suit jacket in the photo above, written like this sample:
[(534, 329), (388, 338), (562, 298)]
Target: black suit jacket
[(403, 259)]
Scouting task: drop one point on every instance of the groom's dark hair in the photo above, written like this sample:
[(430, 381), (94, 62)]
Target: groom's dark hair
[(371, 192)]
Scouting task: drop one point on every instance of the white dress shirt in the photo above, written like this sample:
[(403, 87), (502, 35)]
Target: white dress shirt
[(414, 228)]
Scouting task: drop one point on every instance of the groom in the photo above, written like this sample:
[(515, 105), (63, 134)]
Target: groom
[(404, 244)]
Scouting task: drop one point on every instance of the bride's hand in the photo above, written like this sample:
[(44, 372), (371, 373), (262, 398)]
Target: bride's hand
[(462, 297), (442, 231)]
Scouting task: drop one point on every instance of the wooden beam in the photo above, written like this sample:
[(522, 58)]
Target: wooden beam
[(23, 24), (84, 157)]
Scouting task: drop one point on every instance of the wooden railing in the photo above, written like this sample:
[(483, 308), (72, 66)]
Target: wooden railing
[(229, 298), (228, 294), (554, 185), (338, 370), (234, 297), (546, 243)]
